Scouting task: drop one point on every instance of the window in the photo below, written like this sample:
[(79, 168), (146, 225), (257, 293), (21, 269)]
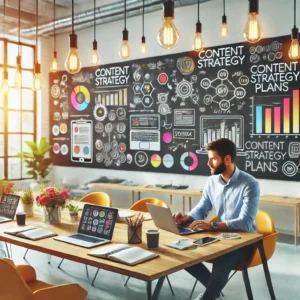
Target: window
[(17, 110)]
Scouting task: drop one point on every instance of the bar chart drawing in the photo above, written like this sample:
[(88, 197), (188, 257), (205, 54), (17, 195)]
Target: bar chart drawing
[(214, 127), (276, 115), (114, 97)]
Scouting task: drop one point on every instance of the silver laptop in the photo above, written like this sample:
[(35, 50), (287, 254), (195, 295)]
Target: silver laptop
[(8, 207), (96, 227), (163, 219)]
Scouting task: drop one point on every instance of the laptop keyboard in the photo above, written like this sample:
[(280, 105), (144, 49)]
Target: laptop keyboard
[(182, 229), (86, 238)]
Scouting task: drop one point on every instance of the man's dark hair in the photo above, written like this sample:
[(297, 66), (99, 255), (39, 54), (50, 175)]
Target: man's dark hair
[(223, 147)]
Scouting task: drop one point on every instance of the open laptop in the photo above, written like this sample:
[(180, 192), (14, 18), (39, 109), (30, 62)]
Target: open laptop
[(8, 207), (96, 227), (163, 219)]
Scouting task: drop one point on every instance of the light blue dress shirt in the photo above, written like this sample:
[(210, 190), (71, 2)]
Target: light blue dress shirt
[(236, 202)]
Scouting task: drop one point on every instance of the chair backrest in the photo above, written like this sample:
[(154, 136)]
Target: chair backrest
[(12, 285), (141, 204), (264, 223), (98, 198)]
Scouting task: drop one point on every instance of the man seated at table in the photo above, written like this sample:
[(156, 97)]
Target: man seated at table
[(235, 195)]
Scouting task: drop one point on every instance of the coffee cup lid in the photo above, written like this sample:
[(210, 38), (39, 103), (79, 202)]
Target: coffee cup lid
[(152, 231)]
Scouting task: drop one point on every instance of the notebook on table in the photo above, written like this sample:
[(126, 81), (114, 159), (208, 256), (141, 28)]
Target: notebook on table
[(163, 219), (96, 227), (8, 207)]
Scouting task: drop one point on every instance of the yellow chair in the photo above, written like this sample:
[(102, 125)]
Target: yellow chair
[(141, 205), (20, 283), (265, 226), (97, 198)]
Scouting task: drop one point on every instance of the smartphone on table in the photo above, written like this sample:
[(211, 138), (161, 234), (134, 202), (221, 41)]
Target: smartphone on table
[(205, 241)]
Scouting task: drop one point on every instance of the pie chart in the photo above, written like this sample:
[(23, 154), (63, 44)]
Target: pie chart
[(80, 97), (189, 161), (168, 161), (155, 160)]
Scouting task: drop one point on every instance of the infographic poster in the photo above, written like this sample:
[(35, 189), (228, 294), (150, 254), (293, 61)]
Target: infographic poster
[(158, 114)]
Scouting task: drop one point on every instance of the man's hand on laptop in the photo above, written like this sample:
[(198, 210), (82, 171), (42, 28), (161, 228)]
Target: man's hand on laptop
[(196, 225), (181, 219)]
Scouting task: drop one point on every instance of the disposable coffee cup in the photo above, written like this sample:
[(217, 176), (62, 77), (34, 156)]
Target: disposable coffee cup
[(152, 238), (21, 217)]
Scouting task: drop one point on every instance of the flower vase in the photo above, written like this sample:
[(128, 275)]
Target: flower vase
[(28, 209), (52, 215)]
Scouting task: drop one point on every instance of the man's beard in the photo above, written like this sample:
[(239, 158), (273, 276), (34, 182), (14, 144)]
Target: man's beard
[(219, 169)]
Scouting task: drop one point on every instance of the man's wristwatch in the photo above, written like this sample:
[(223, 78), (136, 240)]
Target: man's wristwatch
[(214, 226)]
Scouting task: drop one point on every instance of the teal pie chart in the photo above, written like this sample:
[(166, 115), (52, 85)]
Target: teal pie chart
[(189, 161), (168, 161)]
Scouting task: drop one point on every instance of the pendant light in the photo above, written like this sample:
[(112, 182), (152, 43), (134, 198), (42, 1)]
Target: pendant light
[(5, 86), (18, 74), (37, 66), (95, 56), (168, 35), (72, 63), (54, 64), (253, 31), (224, 29), (125, 49), (294, 51), (198, 43), (143, 44)]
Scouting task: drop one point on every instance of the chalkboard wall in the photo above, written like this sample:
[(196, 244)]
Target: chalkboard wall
[(157, 114)]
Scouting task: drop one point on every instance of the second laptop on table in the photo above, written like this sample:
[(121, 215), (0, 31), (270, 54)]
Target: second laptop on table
[(96, 227)]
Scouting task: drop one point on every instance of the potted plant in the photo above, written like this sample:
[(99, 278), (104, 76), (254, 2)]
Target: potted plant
[(27, 199), (73, 210), (36, 162)]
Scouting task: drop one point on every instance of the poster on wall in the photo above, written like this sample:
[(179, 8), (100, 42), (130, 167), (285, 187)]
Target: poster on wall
[(158, 114)]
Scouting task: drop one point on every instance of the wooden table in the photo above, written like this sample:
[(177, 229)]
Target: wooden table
[(169, 261), (144, 189), (285, 201)]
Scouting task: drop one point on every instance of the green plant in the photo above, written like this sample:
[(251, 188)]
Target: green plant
[(37, 164), (73, 209), (27, 197)]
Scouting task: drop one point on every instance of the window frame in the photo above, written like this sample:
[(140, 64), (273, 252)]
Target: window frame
[(6, 110)]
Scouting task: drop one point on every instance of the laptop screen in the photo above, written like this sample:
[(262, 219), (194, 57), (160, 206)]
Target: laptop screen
[(8, 205), (98, 221)]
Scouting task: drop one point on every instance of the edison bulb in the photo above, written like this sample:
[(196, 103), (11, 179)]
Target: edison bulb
[(18, 77), (198, 42), (143, 48), (168, 35), (224, 30), (37, 81), (253, 31), (5, 86), (294, 51), (125, 50), (95, 57), (54, 65), (72, 63)]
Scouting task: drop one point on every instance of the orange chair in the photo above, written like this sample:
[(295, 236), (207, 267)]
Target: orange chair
[(20, 283), (141, 205), (97, 198), (265, 226)]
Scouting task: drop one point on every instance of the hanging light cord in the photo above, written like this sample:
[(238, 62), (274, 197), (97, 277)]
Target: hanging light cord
[(4, 19), (224, 6), (54, 25), (143, 17), (19, 26), (198, 10), (72, 16), (125, 15), (94, 19), (36, 30), (294, 13)]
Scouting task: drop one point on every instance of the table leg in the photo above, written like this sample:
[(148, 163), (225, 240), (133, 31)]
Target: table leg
[(190, 203), (266, 268), (183, 204), (171, 199), (157, 289), (132, 197), (139, 196)]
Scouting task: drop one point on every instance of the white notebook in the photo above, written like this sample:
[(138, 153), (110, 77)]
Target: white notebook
[(124, 253), (30, 232)]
